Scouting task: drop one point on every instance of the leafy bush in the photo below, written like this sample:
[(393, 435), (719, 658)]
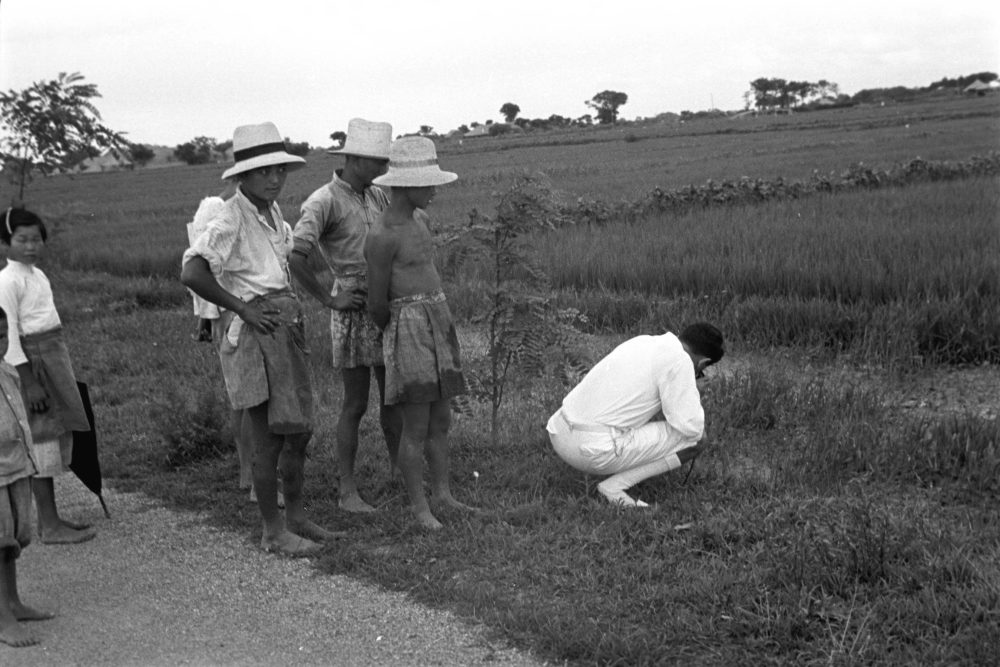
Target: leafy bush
[(197, 151), (300, 148), (141, 154), (193, 428)]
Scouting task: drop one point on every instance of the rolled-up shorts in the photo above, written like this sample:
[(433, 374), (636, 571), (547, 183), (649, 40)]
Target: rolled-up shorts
[(271, 368)]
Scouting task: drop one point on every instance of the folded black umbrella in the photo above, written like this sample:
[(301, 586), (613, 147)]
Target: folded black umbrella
[(85, 463)]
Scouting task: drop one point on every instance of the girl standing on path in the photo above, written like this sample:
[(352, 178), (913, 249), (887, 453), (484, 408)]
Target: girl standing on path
[(37, 350)]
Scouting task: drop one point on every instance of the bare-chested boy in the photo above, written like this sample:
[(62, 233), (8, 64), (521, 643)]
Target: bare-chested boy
[(422, 365)]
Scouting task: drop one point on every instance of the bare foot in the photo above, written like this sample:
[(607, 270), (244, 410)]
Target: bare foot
[(290, 544), (353, 503), (427, 520), (315, 532), (448, 500), (13, 634), (75, 525), (66, 535), (22, 612)]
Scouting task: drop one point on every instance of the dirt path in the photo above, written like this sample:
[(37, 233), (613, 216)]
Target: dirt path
[(159, 587)]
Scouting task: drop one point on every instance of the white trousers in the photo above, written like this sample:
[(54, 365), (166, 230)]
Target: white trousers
[(611, 451)]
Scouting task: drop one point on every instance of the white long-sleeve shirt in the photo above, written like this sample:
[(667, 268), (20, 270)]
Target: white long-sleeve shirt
[(639, 378), (26, 297), (247, 257)]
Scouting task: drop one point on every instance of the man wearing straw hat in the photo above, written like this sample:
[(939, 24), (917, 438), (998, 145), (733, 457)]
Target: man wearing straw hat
[(240, 263), (423, 367), (336, 219)]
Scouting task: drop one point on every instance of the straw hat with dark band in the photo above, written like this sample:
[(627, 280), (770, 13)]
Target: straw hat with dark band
[(256, 146)]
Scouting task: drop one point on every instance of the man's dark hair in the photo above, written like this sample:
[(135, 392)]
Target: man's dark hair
[(704, 339)]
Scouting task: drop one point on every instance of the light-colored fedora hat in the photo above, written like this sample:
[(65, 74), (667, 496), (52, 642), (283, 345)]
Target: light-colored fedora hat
[(366, 138), (413, 164), (261, 145)]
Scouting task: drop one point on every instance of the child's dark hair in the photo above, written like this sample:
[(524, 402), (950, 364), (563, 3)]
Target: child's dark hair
[(20, 217), (3, 313)]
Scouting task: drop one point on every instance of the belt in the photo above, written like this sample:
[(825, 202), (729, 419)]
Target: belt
[(587, 428)]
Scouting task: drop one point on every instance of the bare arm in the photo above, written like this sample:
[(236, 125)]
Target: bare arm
[(379, 253), (197, 276), (298, 262)]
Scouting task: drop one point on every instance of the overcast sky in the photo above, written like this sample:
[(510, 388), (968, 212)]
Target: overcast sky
[(172, 70)]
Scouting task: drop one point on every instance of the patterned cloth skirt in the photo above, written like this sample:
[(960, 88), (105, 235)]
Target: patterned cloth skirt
[(422, 358), (357, 340)]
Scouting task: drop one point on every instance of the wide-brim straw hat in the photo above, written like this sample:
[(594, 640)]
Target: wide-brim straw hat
[(413, 164), (366, 138), (256, 146)]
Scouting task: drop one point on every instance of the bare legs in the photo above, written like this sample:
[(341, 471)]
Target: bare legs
[(52, 528), (390, 418), (271, 451), (243, 449), (425, 429), (239, 424), (357, 385), (12, 610)]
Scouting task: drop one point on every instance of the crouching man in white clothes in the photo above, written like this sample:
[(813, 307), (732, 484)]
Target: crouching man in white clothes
[(637, 413)]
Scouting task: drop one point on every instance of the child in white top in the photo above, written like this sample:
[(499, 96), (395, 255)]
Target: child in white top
[(37, 350)]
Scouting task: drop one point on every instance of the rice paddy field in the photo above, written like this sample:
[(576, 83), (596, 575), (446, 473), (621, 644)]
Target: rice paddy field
[(845, 510)]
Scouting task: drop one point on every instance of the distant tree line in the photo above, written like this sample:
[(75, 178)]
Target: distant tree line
[(776, 93), (904, 94), (963, 81), (202, 150)]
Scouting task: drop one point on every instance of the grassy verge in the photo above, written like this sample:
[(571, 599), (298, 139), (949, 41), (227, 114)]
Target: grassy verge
[(819, 527)]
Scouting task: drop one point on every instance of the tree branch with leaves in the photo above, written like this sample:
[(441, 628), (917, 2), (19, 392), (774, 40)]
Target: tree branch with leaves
[(48, 125), (526, 331)]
